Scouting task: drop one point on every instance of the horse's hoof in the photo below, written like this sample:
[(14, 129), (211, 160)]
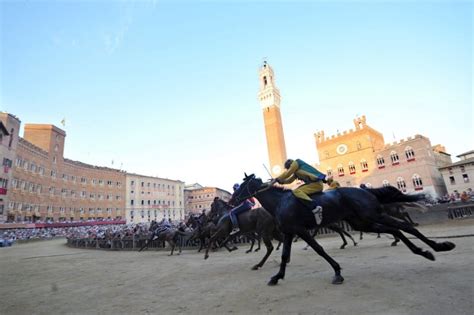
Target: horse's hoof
[(338, 279), (355, 244), (305, 248), (272, 282), (428, 255), (394, 244), (206, 257), (256, 250), (255, 267), (445, 246), (342, 246)]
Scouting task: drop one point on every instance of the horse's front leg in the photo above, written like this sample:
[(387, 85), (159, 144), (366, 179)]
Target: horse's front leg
[(338, 279), (285, 257)]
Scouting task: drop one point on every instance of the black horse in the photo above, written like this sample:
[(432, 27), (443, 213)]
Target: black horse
[(257, 221), (358, 207)]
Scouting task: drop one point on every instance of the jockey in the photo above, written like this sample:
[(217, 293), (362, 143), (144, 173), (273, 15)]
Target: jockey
[(246, 205), (312, 178), (333, 184)]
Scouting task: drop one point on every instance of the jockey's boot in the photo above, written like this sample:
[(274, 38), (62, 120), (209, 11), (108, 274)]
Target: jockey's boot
[(315, 208)]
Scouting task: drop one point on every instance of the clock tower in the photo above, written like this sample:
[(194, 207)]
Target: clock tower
[(269, 98)]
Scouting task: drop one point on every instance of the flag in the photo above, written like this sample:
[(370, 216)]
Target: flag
[(63, 122)]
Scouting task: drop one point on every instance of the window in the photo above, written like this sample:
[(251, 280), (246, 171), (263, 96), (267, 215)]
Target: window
[(131, 202), (364, 165), (465, 177), (452, 181), (352, 168), (380, 161), (417, 183), (385, 183), (340, 170), (401, 184), (463, 170), (359, 146), (394, 157), (410, 154)]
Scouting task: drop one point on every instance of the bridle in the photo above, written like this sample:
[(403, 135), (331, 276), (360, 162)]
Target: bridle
[(266, 187)]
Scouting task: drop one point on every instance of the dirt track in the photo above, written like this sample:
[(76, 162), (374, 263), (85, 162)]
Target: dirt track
[(50, 278)]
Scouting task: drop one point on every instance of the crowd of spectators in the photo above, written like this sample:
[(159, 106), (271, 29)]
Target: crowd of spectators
[(105, 232), (465, 196)]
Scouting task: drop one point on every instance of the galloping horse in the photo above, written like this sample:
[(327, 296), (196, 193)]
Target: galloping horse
[(203, 229), (360, 208), (257, 221), (170, 235)]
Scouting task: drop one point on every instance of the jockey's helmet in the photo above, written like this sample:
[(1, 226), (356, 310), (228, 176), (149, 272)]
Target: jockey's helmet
[(236, 186), (288, 163)]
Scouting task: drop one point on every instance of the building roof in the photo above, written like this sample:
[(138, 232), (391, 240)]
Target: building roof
[(465, 153), (3, 129), (462, 162)]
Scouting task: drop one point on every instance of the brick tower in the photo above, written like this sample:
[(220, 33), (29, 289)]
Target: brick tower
[(269, 97)]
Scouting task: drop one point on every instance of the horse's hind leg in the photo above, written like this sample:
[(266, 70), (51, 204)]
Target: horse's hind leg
[(338, 279), (259, 239), (339, 231), (251, 246), (267, 240), (350, 236), (408, 228), (381, 228)]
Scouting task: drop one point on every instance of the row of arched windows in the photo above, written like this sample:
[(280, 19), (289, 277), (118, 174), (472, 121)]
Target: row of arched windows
[(401, 184), (352, 168), (395, 159)]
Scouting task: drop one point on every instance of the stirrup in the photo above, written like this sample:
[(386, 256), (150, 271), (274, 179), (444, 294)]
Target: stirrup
[(234, 231)]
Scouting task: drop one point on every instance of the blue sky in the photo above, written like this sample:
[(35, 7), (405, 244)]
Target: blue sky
[(169, 89)]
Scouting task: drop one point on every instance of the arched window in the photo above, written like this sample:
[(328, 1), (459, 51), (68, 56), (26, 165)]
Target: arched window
[(359, 146), (401, 184), (385, 183), (329, 171), (410, 154), (340, 170), (417, 183), (380, 161), (394, 157), (352, 168), (364, 165)]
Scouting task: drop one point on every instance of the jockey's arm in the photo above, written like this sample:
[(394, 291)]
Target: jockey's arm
[(289, 175)]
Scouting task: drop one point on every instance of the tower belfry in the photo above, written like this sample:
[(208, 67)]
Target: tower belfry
[(269, 98)]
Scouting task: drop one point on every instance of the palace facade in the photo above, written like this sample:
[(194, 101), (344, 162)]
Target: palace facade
[(39, 183), (360, 155), (199, 198), (153, 198), (458, 176)]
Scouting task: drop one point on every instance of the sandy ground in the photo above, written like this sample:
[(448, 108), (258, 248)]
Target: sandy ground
[(49, 278)]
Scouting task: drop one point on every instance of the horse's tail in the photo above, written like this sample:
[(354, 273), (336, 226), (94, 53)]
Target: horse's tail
[(391, 194)]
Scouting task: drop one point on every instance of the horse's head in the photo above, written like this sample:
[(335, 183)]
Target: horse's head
[(218, 208), (247, 189)]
